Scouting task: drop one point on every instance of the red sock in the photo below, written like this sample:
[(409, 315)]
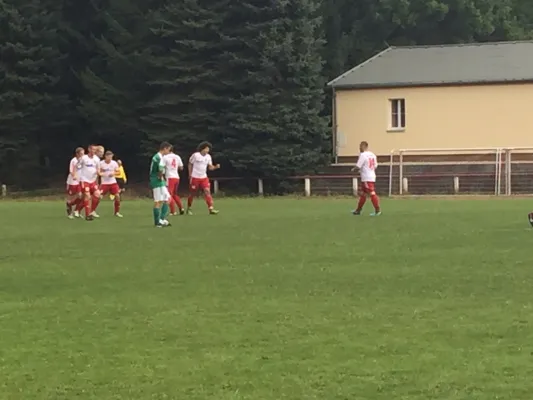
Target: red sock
[(79, 204), (209, 200), (95, 202), (117, 205), (86, 205), (375, 201), (177, 200), (362, 201), (190, 199), (172, 205)]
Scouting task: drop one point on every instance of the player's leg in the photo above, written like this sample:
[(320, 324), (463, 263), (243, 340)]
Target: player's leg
[(171, 187), (96, 196), (193, 189), (87, 202), (158, 207), (115, 192), (71, 201), (374, 199), (530, 218), (165, 206), (362, 199), (79, 204), (176, 197), (206, 188)]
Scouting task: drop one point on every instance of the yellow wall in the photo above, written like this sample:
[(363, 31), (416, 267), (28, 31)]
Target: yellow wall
[(436, 117)]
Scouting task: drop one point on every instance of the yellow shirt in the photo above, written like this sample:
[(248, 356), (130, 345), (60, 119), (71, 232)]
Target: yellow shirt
[(121, 174)]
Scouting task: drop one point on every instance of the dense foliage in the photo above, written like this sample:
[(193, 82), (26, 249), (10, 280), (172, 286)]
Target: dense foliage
[(247, 75)]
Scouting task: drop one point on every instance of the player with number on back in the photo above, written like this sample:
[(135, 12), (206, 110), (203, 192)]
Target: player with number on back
[(90, 170), (159, 186), (367, 164), (199, 163), (74, 198), (173, 165), (109, 184)]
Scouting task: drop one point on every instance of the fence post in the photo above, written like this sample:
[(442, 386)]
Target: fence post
[(215, 186), (401, 172), (508, 172), (260, 187), (405, 185), (354, 186), (307, 187), (456, 184)]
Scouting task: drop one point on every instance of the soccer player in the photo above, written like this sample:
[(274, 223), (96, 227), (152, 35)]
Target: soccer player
[(108, 170), (159, 185), (73, 185), (90, 165), (530, 218), (199, 163), (367, 164), (173, 165), (122, 179)]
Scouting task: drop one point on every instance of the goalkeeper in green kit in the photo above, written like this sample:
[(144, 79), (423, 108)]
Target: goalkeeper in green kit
[(159, 186)]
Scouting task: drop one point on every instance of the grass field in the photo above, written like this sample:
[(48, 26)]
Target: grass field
[(271, 299)]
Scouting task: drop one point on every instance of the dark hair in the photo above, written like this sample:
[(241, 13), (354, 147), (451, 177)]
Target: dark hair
[(165, 145), (203, 145), (108, 153), (364, 144)]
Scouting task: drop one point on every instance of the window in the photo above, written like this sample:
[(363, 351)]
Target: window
[(397, 114)]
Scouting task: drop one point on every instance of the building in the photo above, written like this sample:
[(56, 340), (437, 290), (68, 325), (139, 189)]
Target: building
[(425, 97)]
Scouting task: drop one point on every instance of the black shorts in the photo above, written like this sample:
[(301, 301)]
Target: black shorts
[(121, 183)]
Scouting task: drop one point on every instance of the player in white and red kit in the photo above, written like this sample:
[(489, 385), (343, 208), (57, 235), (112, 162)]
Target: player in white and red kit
[(173, 164), (109, 184), (199, 163), (89, 173), (367, 164), (74, 195)]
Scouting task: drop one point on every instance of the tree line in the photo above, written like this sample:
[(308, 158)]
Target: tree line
[(247, 75)]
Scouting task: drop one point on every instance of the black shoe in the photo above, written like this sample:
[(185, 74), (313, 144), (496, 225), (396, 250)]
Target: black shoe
[(89, 218), (356, 212)]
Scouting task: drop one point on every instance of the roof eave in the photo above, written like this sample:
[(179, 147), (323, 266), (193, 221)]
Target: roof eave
[(393, 85)]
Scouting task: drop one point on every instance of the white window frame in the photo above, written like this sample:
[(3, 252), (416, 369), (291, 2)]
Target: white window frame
[(395, 119)]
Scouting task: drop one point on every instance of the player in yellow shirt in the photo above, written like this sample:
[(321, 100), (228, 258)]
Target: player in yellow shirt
[(121, 177)]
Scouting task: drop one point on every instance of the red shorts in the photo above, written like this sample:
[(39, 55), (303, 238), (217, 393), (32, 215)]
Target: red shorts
[(89, 187), (368, 187), (199, 183), (173, 184), (112, 188), (73, 189)]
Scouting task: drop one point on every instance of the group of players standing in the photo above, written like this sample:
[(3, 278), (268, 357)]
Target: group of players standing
[(90, 178)]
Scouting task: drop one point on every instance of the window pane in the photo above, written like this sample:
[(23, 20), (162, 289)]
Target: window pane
[(402, 119)]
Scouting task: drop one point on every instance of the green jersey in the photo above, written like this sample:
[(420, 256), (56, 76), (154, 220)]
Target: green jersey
[(157, 170)]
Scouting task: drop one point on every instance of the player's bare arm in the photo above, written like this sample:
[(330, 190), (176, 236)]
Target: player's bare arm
[(212, 167), (190, 171)]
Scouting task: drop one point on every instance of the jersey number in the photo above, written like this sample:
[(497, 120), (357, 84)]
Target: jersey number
[(174, 164), (372, 163)]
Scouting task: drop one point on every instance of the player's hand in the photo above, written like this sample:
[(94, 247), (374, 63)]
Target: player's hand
[(217, 166)]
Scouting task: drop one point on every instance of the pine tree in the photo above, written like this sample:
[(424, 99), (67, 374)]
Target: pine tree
[(34, 110), (183, 89), (273, 123)]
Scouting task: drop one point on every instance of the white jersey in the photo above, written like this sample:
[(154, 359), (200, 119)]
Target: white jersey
[(108, 172), (199, 165), (89, 168), (172, 163), (367, 164), (73, 167)]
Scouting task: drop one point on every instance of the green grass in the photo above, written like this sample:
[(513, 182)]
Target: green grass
[(271, 299)]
